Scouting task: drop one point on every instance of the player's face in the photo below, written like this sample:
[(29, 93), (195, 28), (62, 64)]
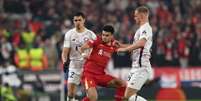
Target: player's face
[(137, 17), (106, 37), (78, 21)]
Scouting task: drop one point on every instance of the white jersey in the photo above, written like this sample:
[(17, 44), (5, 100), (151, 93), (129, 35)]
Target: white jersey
[(141, 56), (74, 40)]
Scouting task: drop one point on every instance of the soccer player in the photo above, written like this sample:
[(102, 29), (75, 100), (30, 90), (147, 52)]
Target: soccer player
[(75, 38), (94, 68), (141, 69)]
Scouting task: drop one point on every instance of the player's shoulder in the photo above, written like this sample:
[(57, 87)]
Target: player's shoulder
[(68, 34), (146, 27), (91, 33), (70, 31), (88, 30), (97, 40)]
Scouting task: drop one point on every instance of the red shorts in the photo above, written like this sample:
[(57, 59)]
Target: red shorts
[(92, 80)]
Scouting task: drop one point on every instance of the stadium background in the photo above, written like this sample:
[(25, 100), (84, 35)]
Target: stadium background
[(37, 27)]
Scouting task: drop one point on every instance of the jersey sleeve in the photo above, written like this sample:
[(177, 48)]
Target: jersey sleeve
[(93, 35), (67, 39), (114, 46), (145, 33), (115, 49)]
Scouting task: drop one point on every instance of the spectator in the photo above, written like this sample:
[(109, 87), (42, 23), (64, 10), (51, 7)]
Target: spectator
[(28, 37), (6, 50), (47, 17), (21, 57)]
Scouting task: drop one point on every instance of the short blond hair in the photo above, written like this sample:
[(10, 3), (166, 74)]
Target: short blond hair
[(143, 9)]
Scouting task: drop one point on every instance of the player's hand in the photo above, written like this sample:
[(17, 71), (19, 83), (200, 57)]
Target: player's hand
[(116, 43), (79, 50), (65, 66), (85, 55)]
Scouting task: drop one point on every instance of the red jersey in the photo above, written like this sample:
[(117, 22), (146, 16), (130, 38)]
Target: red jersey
[(100, 56)]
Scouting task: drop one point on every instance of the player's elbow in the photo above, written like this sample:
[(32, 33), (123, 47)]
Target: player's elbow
[(142, 43)]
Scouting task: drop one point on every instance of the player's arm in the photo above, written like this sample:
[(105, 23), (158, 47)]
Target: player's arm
[(65, 54), (124, 45), (66, 48), (88, 45), (144, 36), (84, 47), (119, 44), (138, 44), (65, 57)]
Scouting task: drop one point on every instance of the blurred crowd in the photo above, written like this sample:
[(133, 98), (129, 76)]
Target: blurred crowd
[(32, 31)]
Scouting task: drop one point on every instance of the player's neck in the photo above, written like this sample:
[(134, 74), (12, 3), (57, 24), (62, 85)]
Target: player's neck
[(80, 30), (143, 22), (109, 43)]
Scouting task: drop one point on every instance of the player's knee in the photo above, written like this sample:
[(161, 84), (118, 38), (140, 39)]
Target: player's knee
[(112, 84), (116, 83), (71, 90), (93, 97), (130, 92), (126, 98), (71, 94)]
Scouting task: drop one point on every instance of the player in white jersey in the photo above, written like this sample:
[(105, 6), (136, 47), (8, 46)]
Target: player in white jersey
[(74, 39), (141, 68)]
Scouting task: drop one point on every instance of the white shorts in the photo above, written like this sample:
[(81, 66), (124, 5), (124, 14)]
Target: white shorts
[(75, 70), (138, 76), (74, 76)]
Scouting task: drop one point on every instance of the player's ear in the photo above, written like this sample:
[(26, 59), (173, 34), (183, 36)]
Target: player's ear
[(83, 19), (143, 15), (112, 36)]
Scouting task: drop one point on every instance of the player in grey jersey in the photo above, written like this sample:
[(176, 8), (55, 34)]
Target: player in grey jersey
[(74, 39), (141, 68)]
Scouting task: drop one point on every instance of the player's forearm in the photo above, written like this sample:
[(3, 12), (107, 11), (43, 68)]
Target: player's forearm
[(64, 59), (124, 45), (132, 47), (136, 45), (84, 47), (64, 55), (118, 44)]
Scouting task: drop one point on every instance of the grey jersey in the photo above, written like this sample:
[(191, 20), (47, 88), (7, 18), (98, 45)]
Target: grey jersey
[(141, 56), (74, 40)]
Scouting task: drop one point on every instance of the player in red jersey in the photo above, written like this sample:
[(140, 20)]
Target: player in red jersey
[(94, 68)]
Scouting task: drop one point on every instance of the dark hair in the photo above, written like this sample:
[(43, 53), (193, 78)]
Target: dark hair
[(79, 14), (108, 28), (143, 9)]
